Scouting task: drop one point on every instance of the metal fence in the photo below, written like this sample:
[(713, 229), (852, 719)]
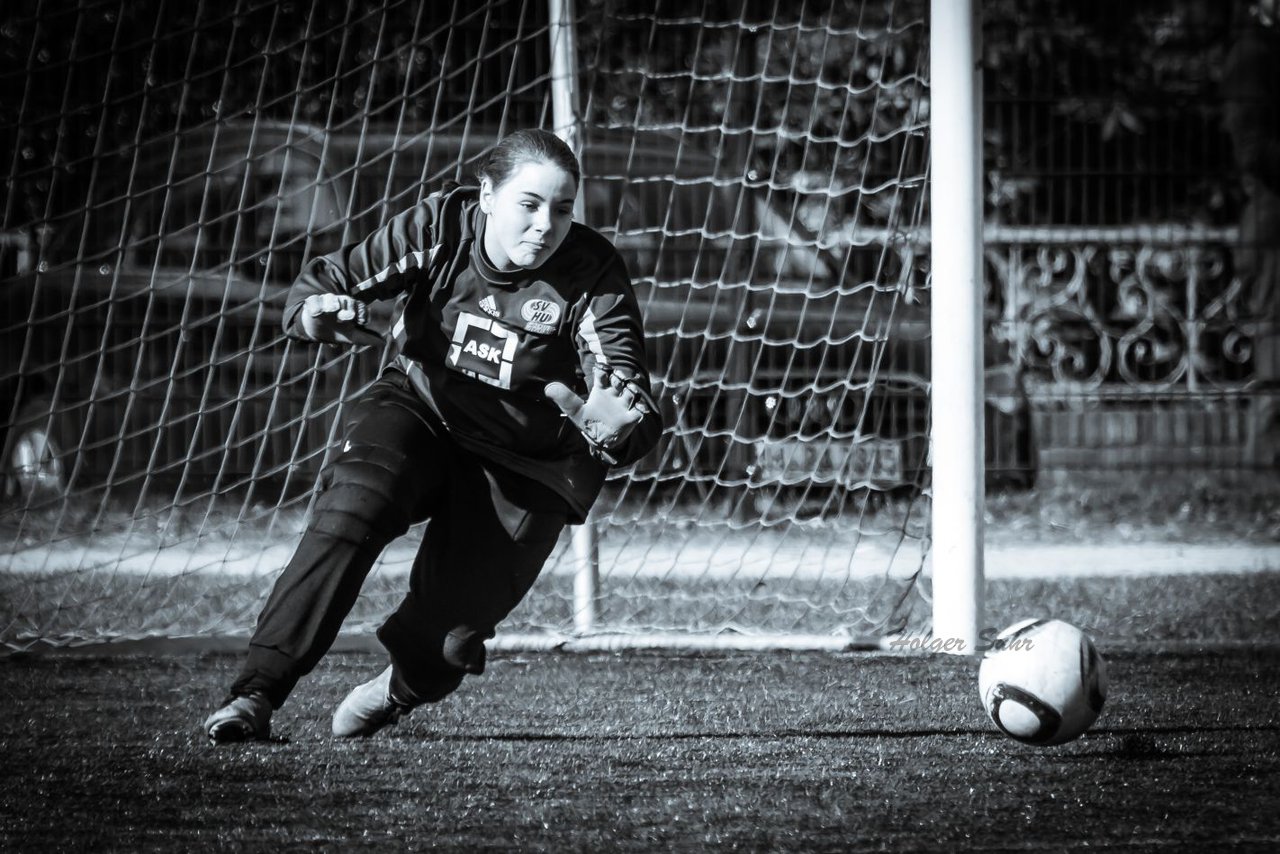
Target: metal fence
[(1140, 345), (1127, 257)]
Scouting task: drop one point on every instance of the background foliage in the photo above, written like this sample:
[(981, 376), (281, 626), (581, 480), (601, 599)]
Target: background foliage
[(1095, 112)]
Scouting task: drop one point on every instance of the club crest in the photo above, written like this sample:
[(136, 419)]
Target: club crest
[(540, 315)]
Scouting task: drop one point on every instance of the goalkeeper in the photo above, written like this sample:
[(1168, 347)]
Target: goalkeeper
[(518, 378)]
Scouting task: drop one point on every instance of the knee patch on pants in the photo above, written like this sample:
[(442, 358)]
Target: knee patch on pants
[(364, 491), (464, 650)]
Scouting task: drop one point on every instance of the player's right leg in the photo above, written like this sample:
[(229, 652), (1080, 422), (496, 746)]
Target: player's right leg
[(478, 559), (374, 489)]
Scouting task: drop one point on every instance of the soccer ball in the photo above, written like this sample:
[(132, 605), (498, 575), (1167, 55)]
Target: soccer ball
[(1042, 682)]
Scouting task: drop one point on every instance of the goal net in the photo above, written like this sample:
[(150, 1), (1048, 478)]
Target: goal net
[(171, 166)]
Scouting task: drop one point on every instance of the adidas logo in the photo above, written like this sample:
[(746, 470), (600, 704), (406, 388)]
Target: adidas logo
[(489, 306)]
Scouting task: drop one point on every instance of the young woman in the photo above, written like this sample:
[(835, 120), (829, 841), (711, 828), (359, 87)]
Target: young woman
[(519, 377)]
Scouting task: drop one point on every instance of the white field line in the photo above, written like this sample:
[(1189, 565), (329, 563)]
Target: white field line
[(741, 556)]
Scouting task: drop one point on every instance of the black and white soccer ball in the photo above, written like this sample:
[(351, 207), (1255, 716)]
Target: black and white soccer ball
[(1042, 682)]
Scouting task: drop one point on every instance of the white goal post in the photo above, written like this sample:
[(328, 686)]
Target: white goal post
[(955, 78), (955, 35), (566, 121)]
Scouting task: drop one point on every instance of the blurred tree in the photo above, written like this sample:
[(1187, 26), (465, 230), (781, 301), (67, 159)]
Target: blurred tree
[(1097, 112), (83, 81), (1101, 113)]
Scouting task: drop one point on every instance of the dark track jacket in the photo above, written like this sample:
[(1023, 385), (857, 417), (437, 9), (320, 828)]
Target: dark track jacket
[(1251, 106), (479, 345), (1251, 114)]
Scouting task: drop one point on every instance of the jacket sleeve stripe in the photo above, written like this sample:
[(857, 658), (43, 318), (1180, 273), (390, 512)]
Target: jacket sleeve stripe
[(418, 259), (587, 330)]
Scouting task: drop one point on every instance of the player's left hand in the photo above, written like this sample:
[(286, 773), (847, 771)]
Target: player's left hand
[(614, 406)]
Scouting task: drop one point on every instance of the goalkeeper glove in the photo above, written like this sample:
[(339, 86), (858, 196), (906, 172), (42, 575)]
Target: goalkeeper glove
[(614, 406), (337, 319)]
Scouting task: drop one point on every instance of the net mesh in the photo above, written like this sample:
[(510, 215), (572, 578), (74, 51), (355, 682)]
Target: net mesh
[(171, 166)]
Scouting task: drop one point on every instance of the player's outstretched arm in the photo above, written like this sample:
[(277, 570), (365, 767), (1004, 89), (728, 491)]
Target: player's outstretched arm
[(380, 267)]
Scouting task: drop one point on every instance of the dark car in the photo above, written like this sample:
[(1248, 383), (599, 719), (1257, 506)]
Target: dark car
[(145, 348), (145, 352), (789, 370)]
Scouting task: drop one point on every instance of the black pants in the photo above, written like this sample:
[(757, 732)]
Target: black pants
[(488, 535)]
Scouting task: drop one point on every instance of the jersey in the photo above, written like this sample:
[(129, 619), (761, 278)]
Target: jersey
[(480, 344)]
